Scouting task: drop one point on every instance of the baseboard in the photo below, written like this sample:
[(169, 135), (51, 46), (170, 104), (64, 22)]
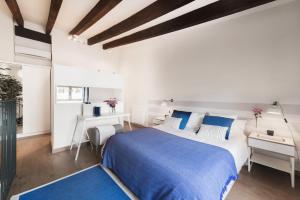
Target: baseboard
[(61, 149), (28, 135), (136, 125), (65, 148)]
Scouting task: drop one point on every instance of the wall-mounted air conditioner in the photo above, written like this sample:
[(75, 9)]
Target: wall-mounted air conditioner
[(32, 51), (27, 51)]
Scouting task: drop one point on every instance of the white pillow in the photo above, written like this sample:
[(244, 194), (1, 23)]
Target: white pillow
[(194, 122), (212, 132), (238, 127), (172, 122)]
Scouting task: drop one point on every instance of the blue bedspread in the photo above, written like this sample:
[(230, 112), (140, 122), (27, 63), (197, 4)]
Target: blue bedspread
[(157, 165)]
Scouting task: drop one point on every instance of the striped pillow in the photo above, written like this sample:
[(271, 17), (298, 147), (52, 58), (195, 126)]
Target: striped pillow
[(212, 132)]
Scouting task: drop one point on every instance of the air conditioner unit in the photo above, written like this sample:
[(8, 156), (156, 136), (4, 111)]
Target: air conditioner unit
[(27, 49)]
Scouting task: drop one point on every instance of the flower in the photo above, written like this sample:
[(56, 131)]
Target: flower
[(112, 102), (257, 110)]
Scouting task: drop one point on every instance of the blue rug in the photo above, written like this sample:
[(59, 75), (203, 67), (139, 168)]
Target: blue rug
[(91, 184)]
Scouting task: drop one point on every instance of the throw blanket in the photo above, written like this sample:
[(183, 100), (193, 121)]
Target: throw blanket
[(157, 165)]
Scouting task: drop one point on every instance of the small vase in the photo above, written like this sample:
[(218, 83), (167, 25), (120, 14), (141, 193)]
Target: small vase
[(256, 122), (113, 110)]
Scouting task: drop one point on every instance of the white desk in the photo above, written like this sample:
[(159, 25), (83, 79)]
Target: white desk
[(276, 144), (85, 119)]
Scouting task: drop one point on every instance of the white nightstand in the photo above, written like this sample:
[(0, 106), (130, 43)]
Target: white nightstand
[(158, 120), (275, 144)]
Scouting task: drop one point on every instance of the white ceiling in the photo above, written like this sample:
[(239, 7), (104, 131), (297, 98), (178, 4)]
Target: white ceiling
[(72, 11)]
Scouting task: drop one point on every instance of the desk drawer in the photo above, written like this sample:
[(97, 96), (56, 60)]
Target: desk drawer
[(272, 146)]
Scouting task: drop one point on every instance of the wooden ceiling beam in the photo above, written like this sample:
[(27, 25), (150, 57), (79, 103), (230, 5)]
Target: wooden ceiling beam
[(33, 35), (204, 14), (53, 12), (151, 12), (15, 11), (100, 9)]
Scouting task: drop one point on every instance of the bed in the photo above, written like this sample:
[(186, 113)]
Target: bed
[(166, 163)]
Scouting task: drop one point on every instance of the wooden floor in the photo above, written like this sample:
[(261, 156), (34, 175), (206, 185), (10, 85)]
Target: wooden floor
[(36, 165)]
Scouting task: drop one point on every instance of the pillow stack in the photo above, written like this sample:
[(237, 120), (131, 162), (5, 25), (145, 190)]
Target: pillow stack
[(216, 126), (183, 115), (218, 121), (172, 122)]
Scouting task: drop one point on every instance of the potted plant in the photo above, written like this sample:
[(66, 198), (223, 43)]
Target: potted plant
[(10, 88)]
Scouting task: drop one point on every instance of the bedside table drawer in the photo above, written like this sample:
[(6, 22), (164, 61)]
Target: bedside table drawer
[(272, 146)]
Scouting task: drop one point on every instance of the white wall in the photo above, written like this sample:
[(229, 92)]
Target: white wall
[(252, 58), (36, 100), (6, 34), (70, 53)]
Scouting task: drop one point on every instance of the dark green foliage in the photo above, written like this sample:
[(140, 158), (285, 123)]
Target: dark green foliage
[(10, 88)]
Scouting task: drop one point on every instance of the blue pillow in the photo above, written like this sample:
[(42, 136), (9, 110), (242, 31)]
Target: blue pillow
[(219, 121), (184, 117)]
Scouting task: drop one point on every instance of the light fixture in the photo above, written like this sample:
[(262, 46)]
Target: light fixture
[(77, 39), (169, 100), (164, 103), (70, 37), (275, 109)]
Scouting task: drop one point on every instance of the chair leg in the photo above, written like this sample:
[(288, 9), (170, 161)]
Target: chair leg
[(91, 146)]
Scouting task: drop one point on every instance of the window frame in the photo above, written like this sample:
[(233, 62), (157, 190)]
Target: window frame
[(70, 99)]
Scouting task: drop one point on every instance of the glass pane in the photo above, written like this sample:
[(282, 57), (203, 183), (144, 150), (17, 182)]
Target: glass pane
[(76, 93), (62, 93)]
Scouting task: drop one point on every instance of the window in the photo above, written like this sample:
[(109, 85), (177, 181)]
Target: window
[(62, 93), (69, 93), (76, 93)]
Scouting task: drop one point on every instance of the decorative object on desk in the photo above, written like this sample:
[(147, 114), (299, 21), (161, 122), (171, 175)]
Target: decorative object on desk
[(112, 102), (97, 111), (257, 114), (276, 109), (270, 132)]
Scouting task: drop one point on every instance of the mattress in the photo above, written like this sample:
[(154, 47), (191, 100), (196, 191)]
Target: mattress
[(236, 145), (162, 163)]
